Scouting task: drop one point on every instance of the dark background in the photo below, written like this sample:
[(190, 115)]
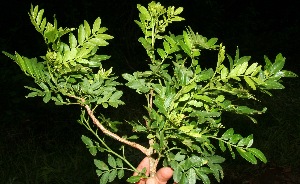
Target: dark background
[(34, 136)]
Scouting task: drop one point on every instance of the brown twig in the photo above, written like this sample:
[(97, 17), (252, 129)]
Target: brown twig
[(144, 150)]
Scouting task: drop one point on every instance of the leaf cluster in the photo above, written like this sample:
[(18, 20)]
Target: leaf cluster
[(70, 70), (186, 100)]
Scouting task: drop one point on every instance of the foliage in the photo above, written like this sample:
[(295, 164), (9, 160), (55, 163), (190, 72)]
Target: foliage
[(185, 101)]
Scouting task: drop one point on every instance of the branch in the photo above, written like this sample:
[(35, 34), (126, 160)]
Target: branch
[(146, 151)]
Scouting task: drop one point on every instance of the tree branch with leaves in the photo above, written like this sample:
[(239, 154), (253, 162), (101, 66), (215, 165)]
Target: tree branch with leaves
[(185, 100)]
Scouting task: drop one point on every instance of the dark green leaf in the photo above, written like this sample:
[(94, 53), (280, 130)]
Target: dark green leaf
[(101, 165), (111, 161), (93, 151), (222, 146), (205, 179), (247, 155), (273, 84), (257, 153), (288, 73), (235, 138)]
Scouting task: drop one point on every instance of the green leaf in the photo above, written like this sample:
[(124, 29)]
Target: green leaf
[(177, 18), (144, 11), (111, 161), (216, 159), (39, 17), (242, 68), (245, 110), (247, 155), (248, 141), (250, 82), (119, 162), (220, 98), (98, 41), (72, 40), (104, 178), (81, 35), (251, 69), (205, 75), (187, 128), (258, 154), (191, 176), (188, 88), (93, 150), (184, 47), (224, 73), (205, 179), (235, 138), (273, 84), (161, 53), (178, 11), (112, 175), (145, 43), (178, 157), (87, 29), (87, 141), (288, 73), (120, 173), (47, 96), (195, 103), (133, 179), (177, 174), (101, 165), (242, 60), (105, 36), (222, 146), (203, 98), (96, 25), (99, 172), (278, 65), (228, 134), (211, 42), (116, 96)]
